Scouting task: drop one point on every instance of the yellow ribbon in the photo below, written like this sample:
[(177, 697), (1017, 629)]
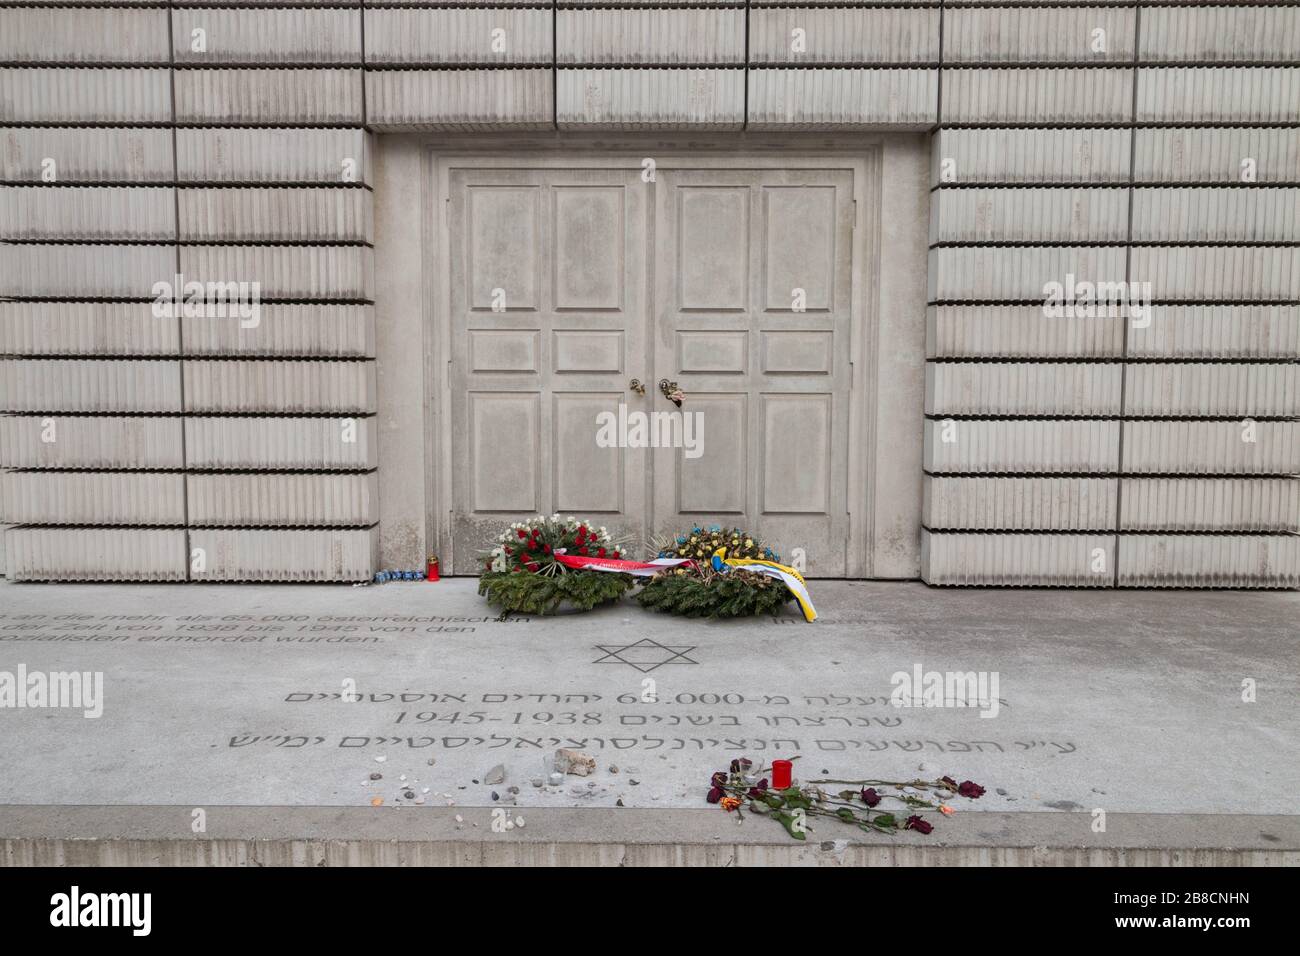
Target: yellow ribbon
[(791, 578)]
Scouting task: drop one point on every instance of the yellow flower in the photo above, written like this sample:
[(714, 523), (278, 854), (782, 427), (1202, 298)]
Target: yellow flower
[(729, 803)]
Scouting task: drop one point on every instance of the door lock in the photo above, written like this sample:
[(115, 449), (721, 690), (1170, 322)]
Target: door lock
[(672, 392), (636, 386)]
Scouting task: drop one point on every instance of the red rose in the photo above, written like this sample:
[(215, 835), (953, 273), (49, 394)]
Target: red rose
[(970, 789), (546, 548), (614, 555), (918, 824), (522, 533), (600, 553)]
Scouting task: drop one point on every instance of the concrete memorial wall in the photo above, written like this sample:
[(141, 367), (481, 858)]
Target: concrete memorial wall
[(1151, 148)]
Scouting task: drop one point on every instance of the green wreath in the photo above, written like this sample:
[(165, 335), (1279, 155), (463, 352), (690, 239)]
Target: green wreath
[(521, 575), (697, 590)]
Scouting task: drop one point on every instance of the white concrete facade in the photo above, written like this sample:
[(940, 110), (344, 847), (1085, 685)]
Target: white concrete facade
[(995, 148)]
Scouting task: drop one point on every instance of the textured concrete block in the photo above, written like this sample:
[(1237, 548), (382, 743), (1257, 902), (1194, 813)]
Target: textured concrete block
[(1031, 156), (95, 554), (1022, 388), (309, 444), (648, 37), (283, 500), (85, 385), (85, 328), (279, 214), (1019, 331), (1219, 332), (843, 36), (1020, 504), (333, 156), (1209, 561), (291, 387), (32, 154), (250, 555), (85, 95), (286, 272), (1029, 215), (124, 213), (1216, 215), (89, 441), (83, 35), (1206, 34), (650, 99), (459, 100), (84, 272), (1217, 155), (1061, 96), (1211, 448), (1186, 389), (427, 36), (1040, 446), (264, 97), (1218, 95), (1218, 273), (1211, 504), (92, 498), (1018, 560), (292, 35), (1010, 273), (333, 331), (842, 99), (1028, 35)]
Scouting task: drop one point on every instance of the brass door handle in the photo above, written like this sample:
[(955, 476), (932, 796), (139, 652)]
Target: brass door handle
[(671, 392), (636, 386)]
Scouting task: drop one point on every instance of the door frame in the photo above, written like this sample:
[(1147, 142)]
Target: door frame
[(863, 159)]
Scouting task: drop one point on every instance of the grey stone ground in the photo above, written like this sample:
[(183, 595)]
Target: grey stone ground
[(1124, 701)]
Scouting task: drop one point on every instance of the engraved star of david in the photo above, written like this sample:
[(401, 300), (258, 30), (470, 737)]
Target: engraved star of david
[(645, 655)]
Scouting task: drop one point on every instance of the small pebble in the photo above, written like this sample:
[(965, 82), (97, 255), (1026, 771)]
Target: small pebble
[(613, 769), (376, 776), (380, 759), (538, 781), (459, 818), (495, 795), (519, 822), (408, 794), (432, 761)]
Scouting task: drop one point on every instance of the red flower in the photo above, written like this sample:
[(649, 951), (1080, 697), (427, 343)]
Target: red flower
[(600, 553), (970, 789), (715, 795), (546, 548), (522, 534), (870, 797), (918, 824), (614, 555)]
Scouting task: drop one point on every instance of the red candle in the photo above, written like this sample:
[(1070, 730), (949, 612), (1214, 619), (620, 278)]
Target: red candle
[(431, 572), (781, 774)]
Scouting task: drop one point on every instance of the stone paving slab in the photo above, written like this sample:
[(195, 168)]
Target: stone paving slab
[(1128, 702)]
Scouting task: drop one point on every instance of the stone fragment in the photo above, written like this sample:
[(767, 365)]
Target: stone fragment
[(495, 776), (574, 762)]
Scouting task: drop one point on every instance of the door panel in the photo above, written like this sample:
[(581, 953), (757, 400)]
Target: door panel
[(752, 319), (547, 299), (565, 282)]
